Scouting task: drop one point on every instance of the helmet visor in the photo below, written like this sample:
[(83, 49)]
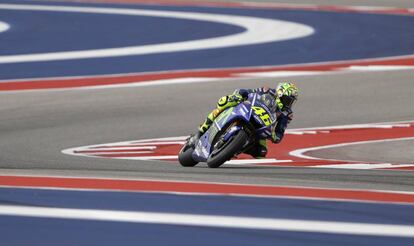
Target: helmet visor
[(288, 101)]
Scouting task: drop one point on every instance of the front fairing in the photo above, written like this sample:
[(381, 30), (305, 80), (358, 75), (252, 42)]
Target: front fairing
[(242, 112)]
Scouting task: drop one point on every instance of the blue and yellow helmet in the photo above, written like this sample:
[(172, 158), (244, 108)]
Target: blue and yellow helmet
[(287, 95)]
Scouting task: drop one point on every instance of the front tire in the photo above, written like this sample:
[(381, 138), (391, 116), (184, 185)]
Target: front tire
[(185, 156), (234, 145)]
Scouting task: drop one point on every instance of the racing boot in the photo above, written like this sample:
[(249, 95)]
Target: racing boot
[(259, 150), (203, 127), (207, 123)]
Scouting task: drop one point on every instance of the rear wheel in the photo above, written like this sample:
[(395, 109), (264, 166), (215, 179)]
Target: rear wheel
[(225, 151), (185, 156)]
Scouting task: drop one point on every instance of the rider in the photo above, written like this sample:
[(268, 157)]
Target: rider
[(286, 95)]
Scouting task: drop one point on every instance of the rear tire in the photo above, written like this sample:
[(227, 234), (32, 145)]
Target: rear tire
[(185, 157), (234, 146)]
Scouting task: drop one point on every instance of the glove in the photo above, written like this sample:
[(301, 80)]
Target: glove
[(243, 92), (235, 98), (290, 117)]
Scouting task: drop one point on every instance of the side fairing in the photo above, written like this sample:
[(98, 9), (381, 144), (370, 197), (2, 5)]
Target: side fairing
[(240, 112)]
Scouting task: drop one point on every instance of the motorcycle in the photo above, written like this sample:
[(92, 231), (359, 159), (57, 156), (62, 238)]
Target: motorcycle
[(233, 132)]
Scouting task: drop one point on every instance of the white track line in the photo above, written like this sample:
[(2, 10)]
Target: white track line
[(100, 154), (365, 166), (232, 162), (186, 80), (407, 123), (255, 161), (278, 74), (147, 158), (300, 153), (378, 68), (257, 31), (212, 221), (4, 26), (118, 148)]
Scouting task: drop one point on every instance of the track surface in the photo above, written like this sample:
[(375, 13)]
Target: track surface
[(41, 124), (37, 125)]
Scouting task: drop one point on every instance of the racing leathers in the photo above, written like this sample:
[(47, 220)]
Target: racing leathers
[(284, 116)]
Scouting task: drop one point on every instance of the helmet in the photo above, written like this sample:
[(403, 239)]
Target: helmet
[(287, 94)]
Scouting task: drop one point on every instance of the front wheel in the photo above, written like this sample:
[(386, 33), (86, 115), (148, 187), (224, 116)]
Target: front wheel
[(227, 150), (185, 156)]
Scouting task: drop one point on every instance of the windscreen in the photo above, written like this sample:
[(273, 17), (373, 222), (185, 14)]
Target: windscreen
[(269, 101)]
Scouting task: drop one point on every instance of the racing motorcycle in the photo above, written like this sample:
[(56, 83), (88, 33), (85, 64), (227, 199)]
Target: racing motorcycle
[(233, 132)]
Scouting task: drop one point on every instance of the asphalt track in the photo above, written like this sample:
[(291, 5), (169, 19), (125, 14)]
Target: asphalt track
[(37, 125)]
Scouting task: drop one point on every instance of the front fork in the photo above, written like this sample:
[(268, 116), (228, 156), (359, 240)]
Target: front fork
[(236, 127)]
